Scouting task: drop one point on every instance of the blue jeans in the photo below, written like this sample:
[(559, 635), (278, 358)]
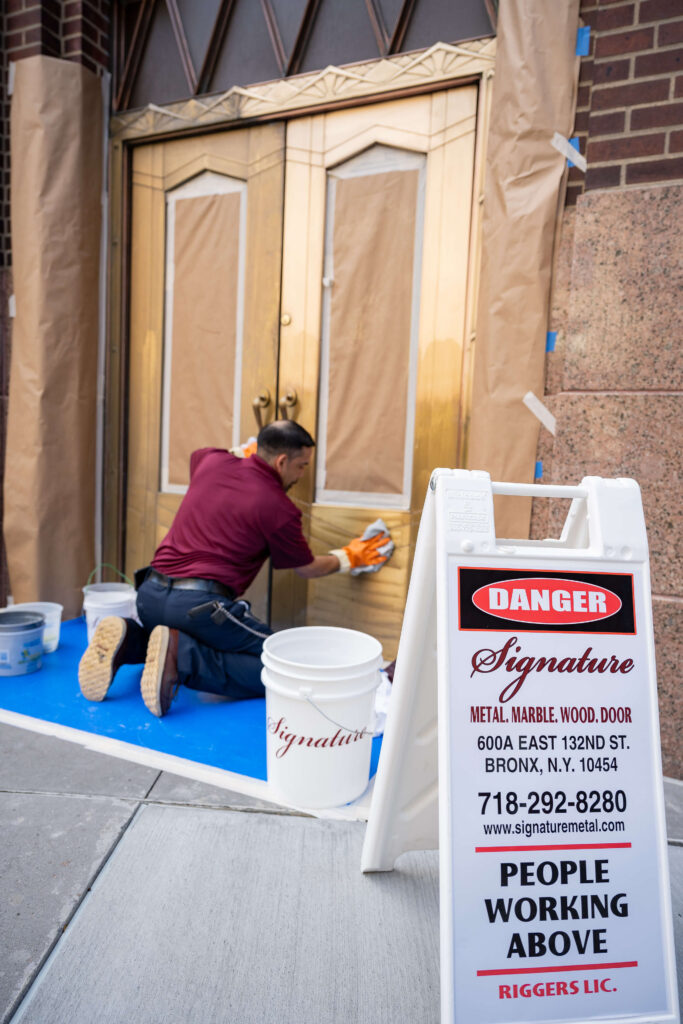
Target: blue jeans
[(224, 659)]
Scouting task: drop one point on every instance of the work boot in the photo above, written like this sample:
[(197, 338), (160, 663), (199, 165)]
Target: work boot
[(159, 683), (103, 655)]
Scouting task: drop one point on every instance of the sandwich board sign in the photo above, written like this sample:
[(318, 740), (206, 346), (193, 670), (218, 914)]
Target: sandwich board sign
[(530, 666)]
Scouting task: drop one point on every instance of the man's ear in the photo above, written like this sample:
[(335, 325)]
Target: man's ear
[(279, 462)]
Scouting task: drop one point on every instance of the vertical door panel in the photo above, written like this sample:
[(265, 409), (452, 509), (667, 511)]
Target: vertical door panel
[(205, 296), (378, 210)]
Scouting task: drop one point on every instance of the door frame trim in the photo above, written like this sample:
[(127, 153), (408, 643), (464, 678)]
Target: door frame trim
[(441, 66), (422, 70)]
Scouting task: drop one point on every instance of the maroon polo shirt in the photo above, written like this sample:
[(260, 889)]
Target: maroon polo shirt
[(235, 514)]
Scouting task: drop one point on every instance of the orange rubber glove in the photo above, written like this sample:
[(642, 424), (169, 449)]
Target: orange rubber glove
[(359, 552)]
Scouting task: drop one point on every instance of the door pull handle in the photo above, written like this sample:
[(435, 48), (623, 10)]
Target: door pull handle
[(287, 402), (261, 401)]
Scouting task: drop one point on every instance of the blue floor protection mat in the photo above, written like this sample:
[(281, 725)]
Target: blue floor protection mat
[(199, 727)]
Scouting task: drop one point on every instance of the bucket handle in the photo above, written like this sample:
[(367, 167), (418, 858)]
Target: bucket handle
[(106, 565), (306, 694)]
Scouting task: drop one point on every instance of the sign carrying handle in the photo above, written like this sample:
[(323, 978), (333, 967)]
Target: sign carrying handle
[(538, 490)]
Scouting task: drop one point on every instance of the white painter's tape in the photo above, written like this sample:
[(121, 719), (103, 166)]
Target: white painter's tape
[(540, 411), (565, 147)]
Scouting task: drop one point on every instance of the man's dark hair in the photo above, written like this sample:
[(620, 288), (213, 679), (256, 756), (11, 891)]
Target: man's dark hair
[(283, 437)]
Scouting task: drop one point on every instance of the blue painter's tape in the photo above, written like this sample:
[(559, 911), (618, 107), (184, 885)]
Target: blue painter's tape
[(575, 145), (583, 41), (538, 472), (550, 339)]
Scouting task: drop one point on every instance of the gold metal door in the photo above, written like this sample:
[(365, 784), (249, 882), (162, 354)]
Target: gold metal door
[(375, 329), (206, 251)]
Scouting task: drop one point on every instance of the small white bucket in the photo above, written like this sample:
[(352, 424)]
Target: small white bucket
[(21, 642), (53, 620), (320, 686), (102, 599)]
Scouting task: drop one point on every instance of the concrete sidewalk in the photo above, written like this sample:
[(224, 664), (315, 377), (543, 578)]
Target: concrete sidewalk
[(129, 894)]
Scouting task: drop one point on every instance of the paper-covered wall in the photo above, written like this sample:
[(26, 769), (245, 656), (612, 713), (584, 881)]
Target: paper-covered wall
[(534, 96), (56, 185)]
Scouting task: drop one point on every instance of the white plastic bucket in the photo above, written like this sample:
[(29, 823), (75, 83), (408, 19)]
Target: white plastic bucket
[(102, 599), (53, 621), (21, 642), (320, 686)]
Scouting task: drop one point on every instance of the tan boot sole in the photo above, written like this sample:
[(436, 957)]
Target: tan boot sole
[(95, 667), (150, 684)]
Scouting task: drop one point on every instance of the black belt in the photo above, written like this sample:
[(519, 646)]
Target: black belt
[(191, 583)]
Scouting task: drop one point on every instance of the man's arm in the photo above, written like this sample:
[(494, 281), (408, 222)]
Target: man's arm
[(357, 553), (322, 565)]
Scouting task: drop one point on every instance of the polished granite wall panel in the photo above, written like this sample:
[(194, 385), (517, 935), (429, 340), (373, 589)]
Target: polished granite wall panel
[(623, 330), (615, 385), (626, 435), (633, 435), (668, 622)]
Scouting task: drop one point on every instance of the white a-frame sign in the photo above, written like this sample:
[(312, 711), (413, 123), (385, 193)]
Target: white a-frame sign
[(546, 798)]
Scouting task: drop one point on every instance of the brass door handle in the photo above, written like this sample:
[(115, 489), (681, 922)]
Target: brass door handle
[(261, 401), (287, 401)]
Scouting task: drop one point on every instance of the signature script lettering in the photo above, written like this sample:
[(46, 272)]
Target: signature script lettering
[(487, 660), (341, 738)]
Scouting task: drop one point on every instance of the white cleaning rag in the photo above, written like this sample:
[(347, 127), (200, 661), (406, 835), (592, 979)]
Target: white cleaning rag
[(379, 526)]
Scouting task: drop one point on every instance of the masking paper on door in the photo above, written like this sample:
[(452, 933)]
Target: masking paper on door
[(204, 328), (370, 322)]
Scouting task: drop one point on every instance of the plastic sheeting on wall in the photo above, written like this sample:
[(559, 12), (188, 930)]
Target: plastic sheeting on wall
[(49, 482), (534, 96)]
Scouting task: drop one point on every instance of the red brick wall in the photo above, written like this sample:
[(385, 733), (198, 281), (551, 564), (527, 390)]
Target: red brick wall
[(72, 29), (630, 105)]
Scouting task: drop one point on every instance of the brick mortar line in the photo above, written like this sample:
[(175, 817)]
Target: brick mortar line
[(625, 29), (617, 161), (628, 108), (593, 162), (639, 80), (645, 51), (638, 162), (607, 136)]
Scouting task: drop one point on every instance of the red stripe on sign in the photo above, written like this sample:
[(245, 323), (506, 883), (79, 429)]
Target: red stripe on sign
[(559, 846), (552, 970)]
